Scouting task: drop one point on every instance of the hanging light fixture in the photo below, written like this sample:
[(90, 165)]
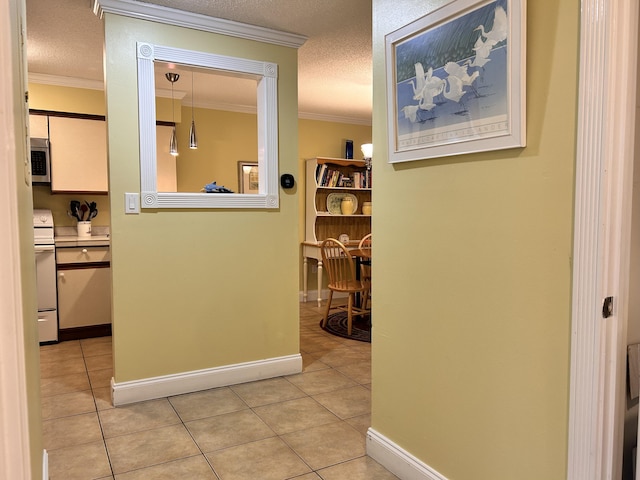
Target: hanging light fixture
[(173, 143), (193, 139)]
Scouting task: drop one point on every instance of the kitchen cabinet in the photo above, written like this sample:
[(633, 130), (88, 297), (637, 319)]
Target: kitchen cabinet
[(78, 155), (39, 126), (84, 292)]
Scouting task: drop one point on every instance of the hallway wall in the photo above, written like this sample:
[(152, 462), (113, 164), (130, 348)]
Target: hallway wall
[(471, 357)]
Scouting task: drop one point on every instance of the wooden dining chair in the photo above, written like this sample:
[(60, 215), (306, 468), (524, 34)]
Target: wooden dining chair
[(341, 271), (365, 269)]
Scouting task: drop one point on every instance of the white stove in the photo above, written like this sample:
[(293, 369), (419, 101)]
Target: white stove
[(46, 282)]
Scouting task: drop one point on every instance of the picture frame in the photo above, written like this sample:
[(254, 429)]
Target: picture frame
[(248, 179), (456, 81)]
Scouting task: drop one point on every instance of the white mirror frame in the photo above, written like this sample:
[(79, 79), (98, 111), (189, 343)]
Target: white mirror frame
[(267, 129)]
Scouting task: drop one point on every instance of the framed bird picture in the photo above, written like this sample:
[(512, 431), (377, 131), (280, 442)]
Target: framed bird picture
[(456, 81)]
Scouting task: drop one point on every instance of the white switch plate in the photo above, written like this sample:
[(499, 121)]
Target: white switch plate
[(131, 203)]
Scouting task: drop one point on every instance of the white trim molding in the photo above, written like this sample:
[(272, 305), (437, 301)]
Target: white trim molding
[(196, 21), (123, 393), (604, 156), (266, 75), (397, 460)]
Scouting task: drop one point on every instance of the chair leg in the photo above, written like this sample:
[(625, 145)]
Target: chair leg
[(350, 313), (326, 311), (365, 300)]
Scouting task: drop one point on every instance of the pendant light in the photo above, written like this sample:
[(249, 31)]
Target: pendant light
[(193, 139), (173, 143)]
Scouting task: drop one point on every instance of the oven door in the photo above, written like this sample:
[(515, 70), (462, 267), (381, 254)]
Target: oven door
[(46, 277)]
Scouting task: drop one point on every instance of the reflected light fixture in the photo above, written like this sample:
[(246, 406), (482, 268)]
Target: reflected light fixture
[(173, 143), (193, 139), (367, 151)]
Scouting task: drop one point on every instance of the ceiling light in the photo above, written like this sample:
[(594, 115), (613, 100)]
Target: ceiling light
[(193, 139), (173, 143)]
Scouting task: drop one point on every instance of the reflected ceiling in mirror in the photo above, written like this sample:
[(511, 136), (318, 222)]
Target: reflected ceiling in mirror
[(225, 72)]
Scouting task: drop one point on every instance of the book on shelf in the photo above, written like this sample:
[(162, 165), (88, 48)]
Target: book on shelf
[(331, 177)]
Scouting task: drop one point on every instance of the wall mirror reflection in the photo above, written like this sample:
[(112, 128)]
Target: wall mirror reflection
[(199, 115)]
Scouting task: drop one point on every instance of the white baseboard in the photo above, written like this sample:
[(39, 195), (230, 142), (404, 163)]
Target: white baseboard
[(397, 460), (123, 393)]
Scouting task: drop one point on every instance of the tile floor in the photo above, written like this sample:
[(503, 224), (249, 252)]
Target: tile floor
[(306, 426)]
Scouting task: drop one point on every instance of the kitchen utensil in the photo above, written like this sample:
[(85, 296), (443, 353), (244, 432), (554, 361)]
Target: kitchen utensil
[(74, 207), (84, 210), (93, 211)]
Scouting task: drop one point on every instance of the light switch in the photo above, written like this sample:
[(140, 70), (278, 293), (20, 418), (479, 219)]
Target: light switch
[(131, 203)]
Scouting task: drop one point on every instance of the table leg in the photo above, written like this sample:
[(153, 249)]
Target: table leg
[(305, 273), (319, 283)]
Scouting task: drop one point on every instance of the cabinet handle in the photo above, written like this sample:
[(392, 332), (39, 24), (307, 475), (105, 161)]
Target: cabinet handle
[(61, 274), (84, 250)]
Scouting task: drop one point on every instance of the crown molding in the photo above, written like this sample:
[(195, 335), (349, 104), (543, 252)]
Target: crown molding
[(171, 16), (334, 118), (61, 81)]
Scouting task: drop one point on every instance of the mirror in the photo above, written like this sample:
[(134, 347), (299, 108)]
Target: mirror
[(153, 62)]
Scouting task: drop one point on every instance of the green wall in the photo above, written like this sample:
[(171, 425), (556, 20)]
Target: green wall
[(471, 335), (197, 288)]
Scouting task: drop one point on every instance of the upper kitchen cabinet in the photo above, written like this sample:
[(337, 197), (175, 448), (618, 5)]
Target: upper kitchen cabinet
[(78, 155), (39, 126)]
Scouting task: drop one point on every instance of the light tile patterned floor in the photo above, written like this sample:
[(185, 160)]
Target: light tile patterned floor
[(308, 426)]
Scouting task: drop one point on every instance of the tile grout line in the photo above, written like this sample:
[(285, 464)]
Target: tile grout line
[(95, 403)]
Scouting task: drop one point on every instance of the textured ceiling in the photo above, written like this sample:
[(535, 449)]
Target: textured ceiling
[(64, 38)]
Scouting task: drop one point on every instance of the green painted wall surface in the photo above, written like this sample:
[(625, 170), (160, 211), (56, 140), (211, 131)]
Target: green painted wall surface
[(196, 289), (66, 99), (471, 336)]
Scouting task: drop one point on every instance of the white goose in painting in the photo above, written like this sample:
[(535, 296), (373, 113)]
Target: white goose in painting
[(499, 30)]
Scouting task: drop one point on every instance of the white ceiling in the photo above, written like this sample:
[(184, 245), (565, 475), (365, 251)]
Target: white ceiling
[(64, 39)]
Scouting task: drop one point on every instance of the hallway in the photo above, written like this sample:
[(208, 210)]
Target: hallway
[(308, 426)]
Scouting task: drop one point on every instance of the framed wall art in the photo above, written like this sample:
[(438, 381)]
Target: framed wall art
[(248, 177), (456, 81)]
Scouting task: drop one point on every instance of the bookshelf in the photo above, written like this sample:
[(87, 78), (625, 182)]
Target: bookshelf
[(324, 177)]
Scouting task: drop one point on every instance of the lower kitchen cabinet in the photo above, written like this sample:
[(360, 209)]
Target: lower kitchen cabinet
[(84, 292)]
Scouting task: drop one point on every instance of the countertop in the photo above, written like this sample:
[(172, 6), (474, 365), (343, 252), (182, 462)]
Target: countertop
[(68, 237), (63, 241)]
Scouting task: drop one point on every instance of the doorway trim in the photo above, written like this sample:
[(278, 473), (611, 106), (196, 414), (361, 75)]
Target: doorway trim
[(602, 217)]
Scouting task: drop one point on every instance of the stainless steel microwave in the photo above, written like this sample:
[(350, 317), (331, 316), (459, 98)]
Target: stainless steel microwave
[(40, 160)]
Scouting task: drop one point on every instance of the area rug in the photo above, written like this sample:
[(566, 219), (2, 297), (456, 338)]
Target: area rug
[(360, 330)]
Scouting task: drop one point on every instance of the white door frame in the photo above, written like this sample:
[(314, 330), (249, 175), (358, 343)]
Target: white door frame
[(602, 217), (15, 455)]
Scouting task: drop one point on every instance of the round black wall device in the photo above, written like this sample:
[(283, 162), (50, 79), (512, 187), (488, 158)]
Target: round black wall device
[(287, 181)]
